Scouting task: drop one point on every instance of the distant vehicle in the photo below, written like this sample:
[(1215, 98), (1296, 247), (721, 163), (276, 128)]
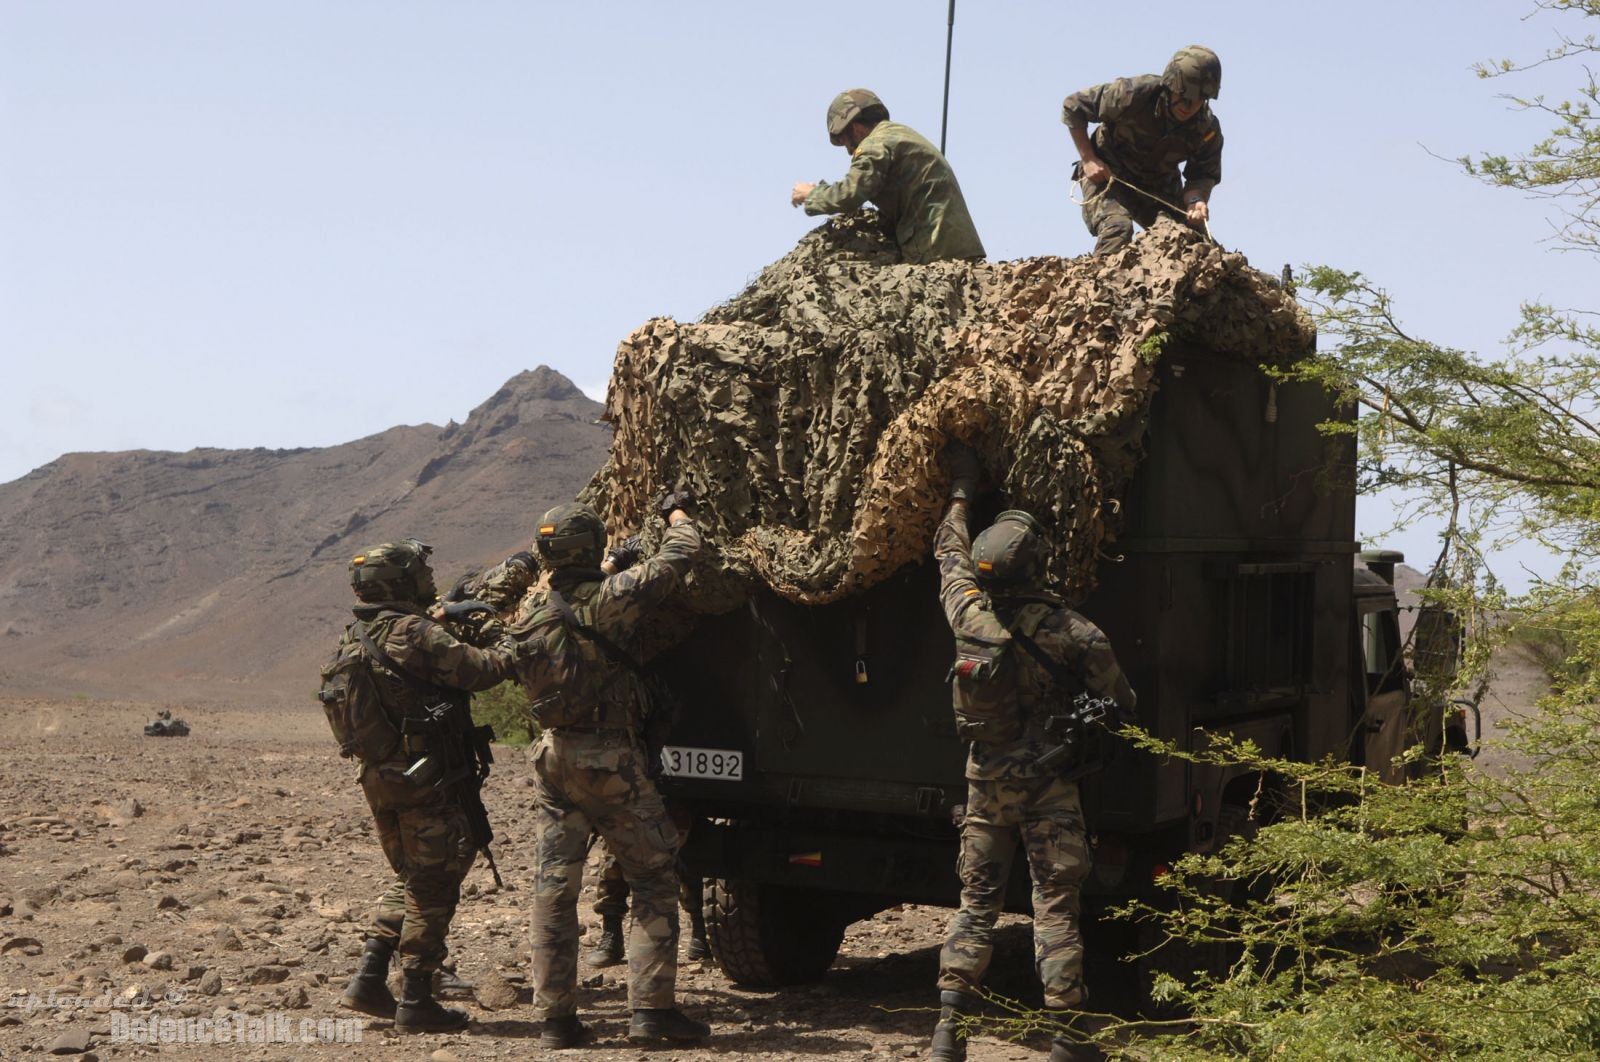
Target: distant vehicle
[(163, 725), (818, 750)]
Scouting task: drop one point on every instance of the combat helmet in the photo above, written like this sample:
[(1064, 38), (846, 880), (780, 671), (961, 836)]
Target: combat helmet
[(1194, 75), (846, 108), (394, 571), (571, 536), (1010, 553)]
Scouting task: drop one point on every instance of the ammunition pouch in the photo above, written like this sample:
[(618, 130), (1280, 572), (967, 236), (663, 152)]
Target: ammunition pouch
[(985, 704)]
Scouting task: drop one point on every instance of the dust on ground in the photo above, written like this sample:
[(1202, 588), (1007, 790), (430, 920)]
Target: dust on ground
[(232, 872)]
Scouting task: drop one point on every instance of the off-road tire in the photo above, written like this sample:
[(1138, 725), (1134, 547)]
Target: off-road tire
[(768, 936), (1180, 958)]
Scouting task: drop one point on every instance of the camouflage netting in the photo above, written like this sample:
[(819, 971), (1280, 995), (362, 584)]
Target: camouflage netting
[(809, 411)]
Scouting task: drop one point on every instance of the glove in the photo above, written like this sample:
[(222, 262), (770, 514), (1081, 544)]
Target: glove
[(460, 610), (962, 461), (624, 554), (675, 499), (524, 560)]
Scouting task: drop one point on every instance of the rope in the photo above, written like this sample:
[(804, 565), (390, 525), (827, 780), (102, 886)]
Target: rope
[(1112, 179)]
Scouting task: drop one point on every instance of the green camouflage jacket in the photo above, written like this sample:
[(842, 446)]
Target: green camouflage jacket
[(1014, 685), (503, 585), (573, 682), (1142, 143), (432, 661), (914, 189)]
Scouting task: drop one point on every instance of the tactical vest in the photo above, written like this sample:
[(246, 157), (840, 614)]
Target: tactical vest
[(577, 683), (995, 701)]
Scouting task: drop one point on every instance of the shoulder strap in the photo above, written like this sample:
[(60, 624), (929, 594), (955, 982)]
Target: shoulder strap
[(1059, 673), (384, 658), (606, 645)]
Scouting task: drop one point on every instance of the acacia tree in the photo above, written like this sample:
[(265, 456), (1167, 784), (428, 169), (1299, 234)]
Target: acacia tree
[(1427, 920)]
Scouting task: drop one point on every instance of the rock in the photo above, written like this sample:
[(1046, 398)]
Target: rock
[(26, 945), (442, 1055), (159, 960), (129, 809), (266, 975), (293, 997), (135, 953), (194, 973), (226, 939), (70, 1042), (210, 983), (494, 992), (910, 1051)]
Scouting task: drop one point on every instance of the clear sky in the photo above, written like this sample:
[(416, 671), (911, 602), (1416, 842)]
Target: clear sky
[(296, 223)]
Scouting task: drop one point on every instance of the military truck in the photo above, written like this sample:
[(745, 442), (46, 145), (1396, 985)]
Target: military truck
[(817, 749)]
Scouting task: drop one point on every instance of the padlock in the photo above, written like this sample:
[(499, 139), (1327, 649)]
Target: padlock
[(861, 672)]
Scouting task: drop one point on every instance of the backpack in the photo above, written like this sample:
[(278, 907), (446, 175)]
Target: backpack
[(581, 678), (984, 682), (350, 699)]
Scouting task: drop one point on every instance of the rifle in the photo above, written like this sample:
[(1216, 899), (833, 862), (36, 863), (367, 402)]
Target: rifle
[(1081, 731), (466, 754), (1077, 734)]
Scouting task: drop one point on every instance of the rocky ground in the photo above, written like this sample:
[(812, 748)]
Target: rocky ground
[(229, 873)]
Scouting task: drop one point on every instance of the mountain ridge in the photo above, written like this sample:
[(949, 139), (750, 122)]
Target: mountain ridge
[(211, 570)]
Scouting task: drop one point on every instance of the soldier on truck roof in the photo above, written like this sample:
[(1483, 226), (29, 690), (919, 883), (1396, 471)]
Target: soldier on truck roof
[(1149, 126), (902, 174)]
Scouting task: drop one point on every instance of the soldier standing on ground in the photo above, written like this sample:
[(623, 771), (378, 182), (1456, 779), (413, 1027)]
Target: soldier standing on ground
[(1149, 126), (902, 174), (423, 828), (993, 597), (590, 769), (611, 885)]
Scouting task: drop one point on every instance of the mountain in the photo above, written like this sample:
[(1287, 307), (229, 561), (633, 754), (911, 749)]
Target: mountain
[(217, 572)]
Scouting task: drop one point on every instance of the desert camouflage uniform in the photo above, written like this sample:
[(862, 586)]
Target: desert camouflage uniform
[(1007, 794), (503, 586), (914, 189), (1141, 143), (592, 777), (611, 885), (423, 831)]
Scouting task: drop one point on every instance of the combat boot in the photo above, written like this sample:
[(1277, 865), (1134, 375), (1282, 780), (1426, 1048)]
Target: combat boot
[(565, 1031), (670, 1026), (368, 991), (949, 1045), (447, 984), (1065, 1050), (418, 1012), (699, 946), (607, 951)]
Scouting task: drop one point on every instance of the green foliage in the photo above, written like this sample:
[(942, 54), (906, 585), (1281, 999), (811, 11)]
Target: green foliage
[(506, 709), (1152, 346)]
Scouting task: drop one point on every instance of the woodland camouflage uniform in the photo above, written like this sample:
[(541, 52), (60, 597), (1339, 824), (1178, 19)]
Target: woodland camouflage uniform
[(1144, 145), (914, 189), (591, 775), (1007, 793), (423, 830)]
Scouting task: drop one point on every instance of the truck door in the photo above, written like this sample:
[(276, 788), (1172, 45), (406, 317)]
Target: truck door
[(1383, 728)]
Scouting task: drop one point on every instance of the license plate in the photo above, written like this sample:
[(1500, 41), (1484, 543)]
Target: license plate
[(722, 765)]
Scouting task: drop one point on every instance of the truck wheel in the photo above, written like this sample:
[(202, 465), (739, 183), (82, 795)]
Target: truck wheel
[(1182, 959), (766, 936)]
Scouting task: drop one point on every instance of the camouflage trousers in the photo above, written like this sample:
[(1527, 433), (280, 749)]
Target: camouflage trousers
[(1110, 213), (596, 782), (611, 887), (427, 841), (1047, 816)]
